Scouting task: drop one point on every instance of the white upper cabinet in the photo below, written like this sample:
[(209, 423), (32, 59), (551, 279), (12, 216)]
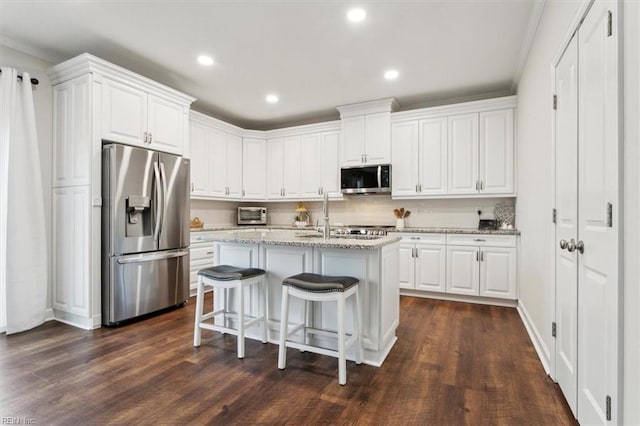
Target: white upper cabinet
[(419, 149), (496, 174), (254, 168), (291, 172), (406, 161), (311, 165), (463, 154), (234, 166), (275, 168), (124, 113), (433, 157), (71, 131), (377, 138), (303, 166), (283, 168), (366, 132), (200, 143), (367, 139), (166, 125), (353, 135), (330, 164), (454, 150), (134, 116), (217, 160)]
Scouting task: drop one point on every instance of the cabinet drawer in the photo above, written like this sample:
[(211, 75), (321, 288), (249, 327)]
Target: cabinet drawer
[(423, 238), (481, 240), (204, 251)]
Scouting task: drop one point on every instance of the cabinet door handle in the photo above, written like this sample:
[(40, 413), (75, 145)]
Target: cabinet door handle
[(243, 192), (191, 186), (150, 138), (209, 252), (481, 255), (481, 185), (477, 185), (477, 256)]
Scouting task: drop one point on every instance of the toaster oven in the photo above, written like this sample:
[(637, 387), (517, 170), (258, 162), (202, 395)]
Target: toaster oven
[(252, 215)]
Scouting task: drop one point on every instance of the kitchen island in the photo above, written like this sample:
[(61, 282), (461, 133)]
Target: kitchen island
[(282, 253)]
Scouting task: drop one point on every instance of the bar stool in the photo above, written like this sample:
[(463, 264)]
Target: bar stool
[(321, 288), (226, 277)]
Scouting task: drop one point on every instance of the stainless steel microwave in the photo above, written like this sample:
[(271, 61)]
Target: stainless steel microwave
[(252, 215), (366, 179)]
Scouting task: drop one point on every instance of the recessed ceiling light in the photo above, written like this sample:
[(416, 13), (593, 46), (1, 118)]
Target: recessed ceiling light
[(391, 75), (205, 60), (272, 99), (356, 15)]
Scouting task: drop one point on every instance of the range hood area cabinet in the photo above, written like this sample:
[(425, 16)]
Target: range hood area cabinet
[(459, 150), (366, 132), (95, 100)]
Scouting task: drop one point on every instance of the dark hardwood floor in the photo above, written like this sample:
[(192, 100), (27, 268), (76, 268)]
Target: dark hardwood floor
[(454, 363)]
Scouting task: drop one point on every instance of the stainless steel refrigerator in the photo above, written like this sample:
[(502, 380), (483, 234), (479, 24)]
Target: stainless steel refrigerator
[(145, 231)]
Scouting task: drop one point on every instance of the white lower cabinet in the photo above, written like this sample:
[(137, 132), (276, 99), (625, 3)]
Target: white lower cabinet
[(423, 262), (482, 265), (201, 256), (459, 264)]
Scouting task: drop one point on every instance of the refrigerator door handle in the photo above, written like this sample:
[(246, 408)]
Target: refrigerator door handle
[(163, 178), (152, 256), (159, 201)]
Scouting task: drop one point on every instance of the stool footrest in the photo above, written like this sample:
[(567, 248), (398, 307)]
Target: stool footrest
[(227, 330)]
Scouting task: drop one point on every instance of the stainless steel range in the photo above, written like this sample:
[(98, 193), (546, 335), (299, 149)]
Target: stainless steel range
[(371, 230)]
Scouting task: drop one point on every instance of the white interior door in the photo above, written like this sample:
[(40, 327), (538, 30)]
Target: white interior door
[(567, 224), (598, 171)]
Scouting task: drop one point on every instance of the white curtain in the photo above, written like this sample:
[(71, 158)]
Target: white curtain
[(23, 244)]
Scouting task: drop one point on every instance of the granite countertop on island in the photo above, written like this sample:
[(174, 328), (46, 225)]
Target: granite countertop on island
[(293, 237)]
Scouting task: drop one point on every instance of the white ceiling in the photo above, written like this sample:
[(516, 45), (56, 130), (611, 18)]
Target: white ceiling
[(304, 51)]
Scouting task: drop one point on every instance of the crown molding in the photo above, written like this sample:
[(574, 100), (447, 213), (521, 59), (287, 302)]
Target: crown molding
[(458, 108), (87, 63), (370, 107)]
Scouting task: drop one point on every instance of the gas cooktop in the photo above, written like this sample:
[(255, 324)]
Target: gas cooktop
[(363, 230)]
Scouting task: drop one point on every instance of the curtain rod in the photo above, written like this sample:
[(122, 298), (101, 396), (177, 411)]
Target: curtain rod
[(34, 81)]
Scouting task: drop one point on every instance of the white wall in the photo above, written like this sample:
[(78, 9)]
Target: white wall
[(631, 415), (535, 188), (535, 172), (42, 97), (360, 210)]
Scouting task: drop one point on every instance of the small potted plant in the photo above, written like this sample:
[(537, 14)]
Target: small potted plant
[(302, 217)]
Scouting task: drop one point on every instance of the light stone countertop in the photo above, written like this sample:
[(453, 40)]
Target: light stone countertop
[(427, 230), (435, 230), (293, 237)]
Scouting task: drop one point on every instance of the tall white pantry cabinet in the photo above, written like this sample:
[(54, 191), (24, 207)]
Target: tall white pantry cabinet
[(94, 100)]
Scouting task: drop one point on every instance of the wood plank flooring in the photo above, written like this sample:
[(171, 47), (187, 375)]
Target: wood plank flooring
[(454, 363)]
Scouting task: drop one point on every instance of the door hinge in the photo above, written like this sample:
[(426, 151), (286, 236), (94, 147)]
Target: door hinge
[(610, 215), (554, 215), (608, 404), (555, 102), (609, 24), (553, 329)]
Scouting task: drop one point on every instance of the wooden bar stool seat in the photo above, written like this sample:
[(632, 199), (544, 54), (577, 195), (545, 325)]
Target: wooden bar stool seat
[(224, 278), (321, 288)]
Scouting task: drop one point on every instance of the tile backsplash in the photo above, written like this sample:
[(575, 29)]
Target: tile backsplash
[(361, 210)]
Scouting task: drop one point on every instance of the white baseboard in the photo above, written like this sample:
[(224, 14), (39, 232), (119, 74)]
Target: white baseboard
[(459, 298), (536, 338)]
